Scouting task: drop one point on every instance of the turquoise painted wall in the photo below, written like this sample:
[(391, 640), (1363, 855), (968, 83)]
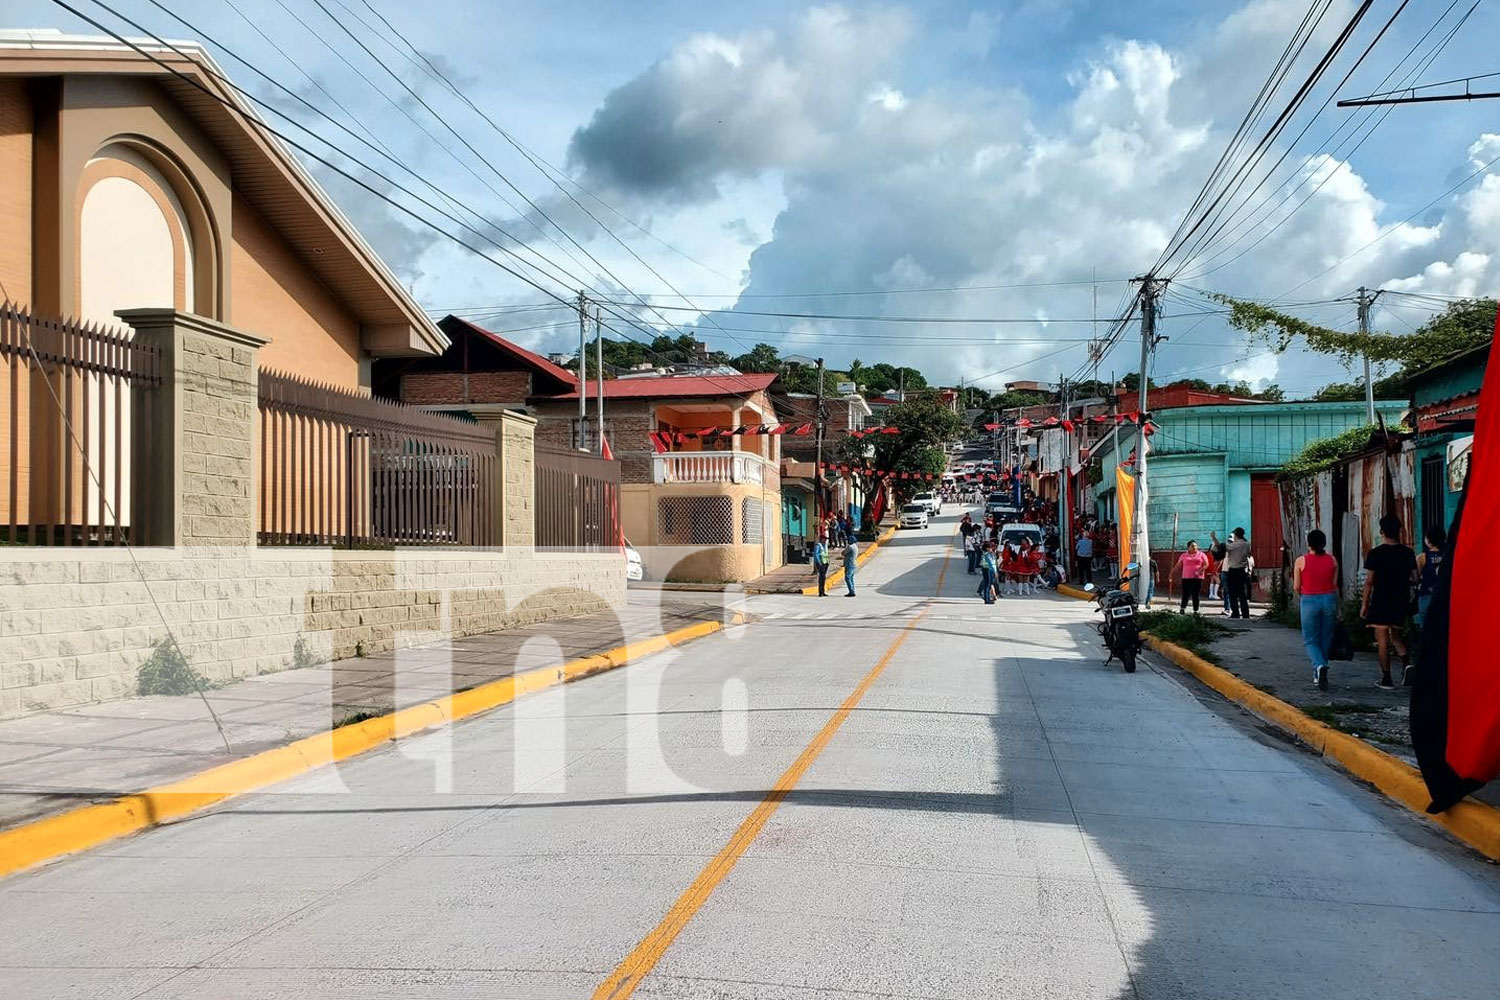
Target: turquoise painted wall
[(1202, 457), (1189, 489)]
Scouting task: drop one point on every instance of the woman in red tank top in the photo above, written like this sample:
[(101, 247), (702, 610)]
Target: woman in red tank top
[(1316, 580)]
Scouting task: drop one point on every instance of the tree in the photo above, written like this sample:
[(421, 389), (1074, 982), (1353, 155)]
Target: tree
[(761, 358), (925, 426), (1132, 382)]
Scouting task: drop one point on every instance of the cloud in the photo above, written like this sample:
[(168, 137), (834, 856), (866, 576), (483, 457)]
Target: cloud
[(892, 179)]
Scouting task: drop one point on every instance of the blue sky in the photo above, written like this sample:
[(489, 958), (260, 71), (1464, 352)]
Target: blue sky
[(874, 148)]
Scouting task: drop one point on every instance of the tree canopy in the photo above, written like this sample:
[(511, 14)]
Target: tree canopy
[(925, 426)]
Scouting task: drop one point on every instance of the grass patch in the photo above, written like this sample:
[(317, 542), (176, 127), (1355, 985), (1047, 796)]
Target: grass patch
[(355, 718), (167, 672), (1191, 632)]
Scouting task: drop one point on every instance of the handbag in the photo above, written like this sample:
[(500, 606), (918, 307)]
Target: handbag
[(1341, 647)]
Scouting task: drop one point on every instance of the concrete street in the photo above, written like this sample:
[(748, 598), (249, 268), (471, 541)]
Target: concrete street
[(905, 794)]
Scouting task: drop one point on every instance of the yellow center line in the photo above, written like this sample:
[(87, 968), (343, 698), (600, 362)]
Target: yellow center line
[(643, 958)]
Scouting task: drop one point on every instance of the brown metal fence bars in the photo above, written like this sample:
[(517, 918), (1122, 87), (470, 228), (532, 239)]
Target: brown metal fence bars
[(348, 470), (577, 501), (67, 391)]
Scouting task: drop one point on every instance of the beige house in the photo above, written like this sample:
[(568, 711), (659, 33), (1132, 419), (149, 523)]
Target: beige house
[(187, 344), (704, 510)]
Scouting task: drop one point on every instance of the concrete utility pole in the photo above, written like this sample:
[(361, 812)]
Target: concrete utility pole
[(599, 375), (1065, 481), (820, 415), (1151, 289), (1366, 300), (583, 372)]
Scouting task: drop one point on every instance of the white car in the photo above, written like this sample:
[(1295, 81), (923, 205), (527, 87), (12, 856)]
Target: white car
[(634, 569), (913, 515), (930, 500)]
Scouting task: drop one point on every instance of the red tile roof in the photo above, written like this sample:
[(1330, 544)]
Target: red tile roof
[(529, 358), (678, 386)]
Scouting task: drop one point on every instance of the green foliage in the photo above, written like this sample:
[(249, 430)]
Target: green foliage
[(1091, 389), (167, 672), (925, 425), (1465, 324), (1191, 632), (355, 718), (760, 358), (303, 657), (1283, 610), (1327, 453), (1360, 636), (1017, 399)]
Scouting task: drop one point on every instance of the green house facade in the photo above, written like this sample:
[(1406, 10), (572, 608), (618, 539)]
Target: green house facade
[(1444, 401), (1213, 468)]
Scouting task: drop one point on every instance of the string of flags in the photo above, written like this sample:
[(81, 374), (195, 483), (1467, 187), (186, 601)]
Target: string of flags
[(974, 477), (662, 441), (1069, 425)]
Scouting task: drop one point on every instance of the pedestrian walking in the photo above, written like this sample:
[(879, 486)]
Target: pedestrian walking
[(1429, 565), (1193, 565), (1315, 579), (851, 551), (1217, 552), (820, 566), (1236, 564), (1390, 569)]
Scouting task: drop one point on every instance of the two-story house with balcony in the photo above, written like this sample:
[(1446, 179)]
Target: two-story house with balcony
[(706, 509)]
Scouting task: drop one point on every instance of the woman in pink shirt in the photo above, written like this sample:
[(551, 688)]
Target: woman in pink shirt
[(1193, 564)]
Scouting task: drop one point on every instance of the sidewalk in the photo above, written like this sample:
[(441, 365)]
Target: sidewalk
[(53, 761), (1271, 657)]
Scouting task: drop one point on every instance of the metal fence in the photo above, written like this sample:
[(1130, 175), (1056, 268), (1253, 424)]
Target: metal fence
[(577, 501), (341, 469), (67, 392)]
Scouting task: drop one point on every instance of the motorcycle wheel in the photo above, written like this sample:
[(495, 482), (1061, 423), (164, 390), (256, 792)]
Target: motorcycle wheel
[(1127, 659)]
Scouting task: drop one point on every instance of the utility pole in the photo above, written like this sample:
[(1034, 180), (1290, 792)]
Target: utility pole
[(599, 374), (1151, 289), (583, 372), (821, 416), (1366, 300), (1065, 481)]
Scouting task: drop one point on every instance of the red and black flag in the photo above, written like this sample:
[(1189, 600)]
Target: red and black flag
[(1455, 699)]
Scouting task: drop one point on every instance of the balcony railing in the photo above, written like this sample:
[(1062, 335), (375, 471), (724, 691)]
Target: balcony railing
[(709, 467)]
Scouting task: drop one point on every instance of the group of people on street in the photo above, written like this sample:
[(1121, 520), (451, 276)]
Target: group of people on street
[(1386, 600), (1005, 567), (837, 533), (1225, 568)]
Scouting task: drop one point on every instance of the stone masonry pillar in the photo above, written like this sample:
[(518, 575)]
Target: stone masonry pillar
[(193, 437), (515, 447)]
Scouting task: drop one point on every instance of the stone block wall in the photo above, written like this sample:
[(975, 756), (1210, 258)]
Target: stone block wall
[(76, 624)]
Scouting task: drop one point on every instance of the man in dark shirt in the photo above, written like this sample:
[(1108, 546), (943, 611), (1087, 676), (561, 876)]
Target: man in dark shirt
[(1389, 570)]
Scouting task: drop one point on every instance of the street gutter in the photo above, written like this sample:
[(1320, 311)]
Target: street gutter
[(1474, 823)]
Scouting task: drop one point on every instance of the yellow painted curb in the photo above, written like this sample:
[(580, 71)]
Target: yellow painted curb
[(89, 826), (1474, 823), (836, 576)]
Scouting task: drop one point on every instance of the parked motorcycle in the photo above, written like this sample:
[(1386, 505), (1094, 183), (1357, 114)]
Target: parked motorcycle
[(1121, 634)]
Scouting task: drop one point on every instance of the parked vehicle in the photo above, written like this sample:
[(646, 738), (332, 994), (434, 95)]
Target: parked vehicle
[(1015, 532), (1002, 507), (1120, 631), (913, 515), (930, 500), (634, 568)]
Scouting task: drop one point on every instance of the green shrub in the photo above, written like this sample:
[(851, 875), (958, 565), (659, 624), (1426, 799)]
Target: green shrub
[(303, 657), (165, 671), (1191, 632)]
